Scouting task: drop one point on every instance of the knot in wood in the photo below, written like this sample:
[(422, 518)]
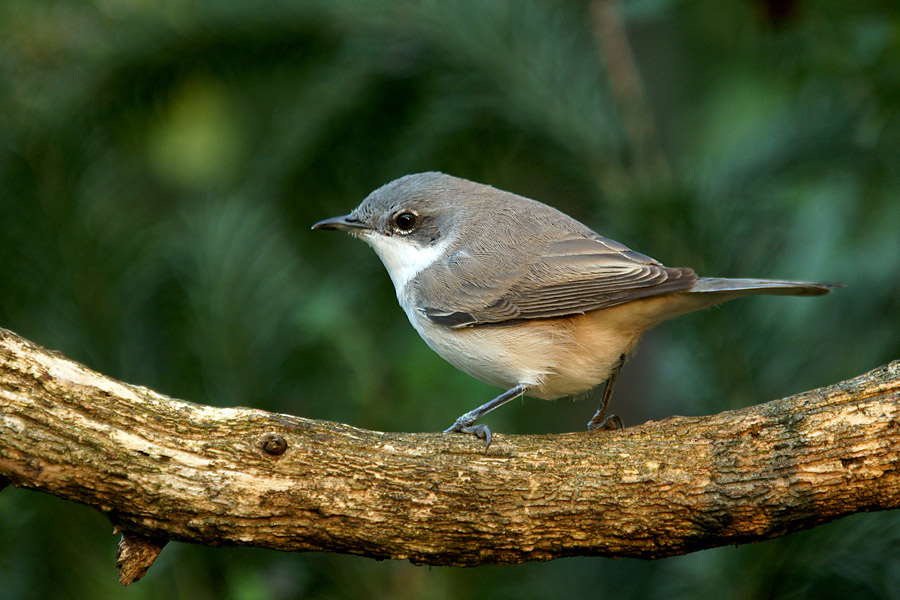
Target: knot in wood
[(274, 444)]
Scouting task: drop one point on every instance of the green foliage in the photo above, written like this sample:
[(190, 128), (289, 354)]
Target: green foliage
[(161, 163)]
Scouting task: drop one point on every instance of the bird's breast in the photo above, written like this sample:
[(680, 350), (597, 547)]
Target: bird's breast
[(554, 357)]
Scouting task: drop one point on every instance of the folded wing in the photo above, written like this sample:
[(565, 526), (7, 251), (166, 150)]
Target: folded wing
[(561, 278)]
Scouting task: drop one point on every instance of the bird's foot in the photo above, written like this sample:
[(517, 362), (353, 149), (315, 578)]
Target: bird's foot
[(610, 423), (482, 432)]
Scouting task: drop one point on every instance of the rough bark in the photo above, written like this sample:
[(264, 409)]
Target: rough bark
[(164, 469)]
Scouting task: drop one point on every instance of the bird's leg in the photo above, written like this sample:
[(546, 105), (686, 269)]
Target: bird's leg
[(612, 421), (464, 424)]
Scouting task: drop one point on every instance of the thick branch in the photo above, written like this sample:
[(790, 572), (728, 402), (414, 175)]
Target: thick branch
[(167, 469)]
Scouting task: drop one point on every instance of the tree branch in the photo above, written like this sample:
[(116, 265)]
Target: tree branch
[(626, 86), (164, 469)]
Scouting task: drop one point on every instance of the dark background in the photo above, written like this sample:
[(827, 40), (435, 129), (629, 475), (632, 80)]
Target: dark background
[(161, 162)]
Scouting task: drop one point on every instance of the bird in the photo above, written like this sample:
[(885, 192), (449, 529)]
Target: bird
[(520, 295)]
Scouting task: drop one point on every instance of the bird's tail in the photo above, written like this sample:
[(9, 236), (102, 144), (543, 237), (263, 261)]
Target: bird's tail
[(732, 288), (707, 291)]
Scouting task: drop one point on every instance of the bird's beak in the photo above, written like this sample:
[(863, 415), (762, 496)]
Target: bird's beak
[(347, 223)]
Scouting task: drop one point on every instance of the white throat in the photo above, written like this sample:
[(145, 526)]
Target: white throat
[(403, 258)]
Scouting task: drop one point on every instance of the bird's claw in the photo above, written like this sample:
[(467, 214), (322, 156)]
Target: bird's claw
[(482, 432), (610, 423)]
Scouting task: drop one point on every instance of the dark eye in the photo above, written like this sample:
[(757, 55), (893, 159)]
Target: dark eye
[(405, 221)]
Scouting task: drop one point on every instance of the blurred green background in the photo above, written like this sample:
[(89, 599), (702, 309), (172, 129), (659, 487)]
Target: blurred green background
[(161, 162)]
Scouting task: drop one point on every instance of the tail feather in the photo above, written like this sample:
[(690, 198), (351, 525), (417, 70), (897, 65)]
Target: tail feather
[(743, 287)]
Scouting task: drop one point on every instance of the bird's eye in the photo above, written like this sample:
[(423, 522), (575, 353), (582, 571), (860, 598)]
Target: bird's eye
[(405, 221)]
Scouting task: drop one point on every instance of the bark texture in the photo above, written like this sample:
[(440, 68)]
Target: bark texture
[(165, 469)]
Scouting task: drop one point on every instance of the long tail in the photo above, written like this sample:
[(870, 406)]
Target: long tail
[(728, 288), (713, 290)]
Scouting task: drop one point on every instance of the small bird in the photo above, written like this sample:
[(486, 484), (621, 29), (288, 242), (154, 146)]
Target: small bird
[(522, 296)]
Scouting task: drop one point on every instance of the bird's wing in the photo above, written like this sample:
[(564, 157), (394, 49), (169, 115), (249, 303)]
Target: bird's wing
[(564, 277)]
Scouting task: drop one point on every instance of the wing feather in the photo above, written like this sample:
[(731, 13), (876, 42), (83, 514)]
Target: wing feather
[(561, 278)]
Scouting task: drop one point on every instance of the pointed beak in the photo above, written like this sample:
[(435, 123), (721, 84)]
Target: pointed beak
[(347, 223)]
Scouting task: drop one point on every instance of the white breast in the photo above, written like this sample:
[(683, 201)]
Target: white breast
[(498, 356), (403, 258), (553, 357)]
